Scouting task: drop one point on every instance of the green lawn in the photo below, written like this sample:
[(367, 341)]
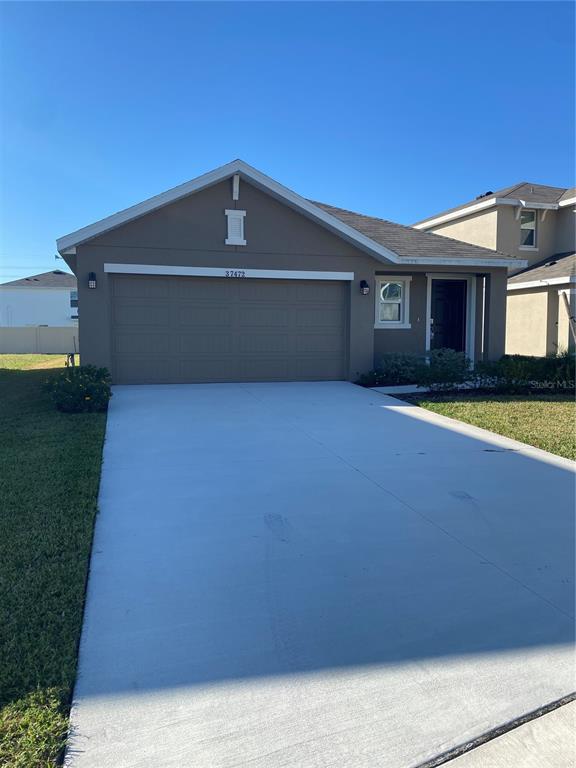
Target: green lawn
[(545, 421), (50, 469)]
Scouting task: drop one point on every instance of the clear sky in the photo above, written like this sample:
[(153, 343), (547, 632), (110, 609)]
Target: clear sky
[(397, 110)]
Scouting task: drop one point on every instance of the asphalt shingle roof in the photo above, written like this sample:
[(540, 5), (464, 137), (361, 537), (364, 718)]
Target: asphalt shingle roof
[(55, 279), (560, 265), (407, 241), (525, 190)]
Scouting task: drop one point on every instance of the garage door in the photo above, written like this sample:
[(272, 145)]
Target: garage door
[(188, 329)]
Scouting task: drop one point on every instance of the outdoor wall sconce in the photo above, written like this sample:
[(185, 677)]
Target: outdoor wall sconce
[(364, 288), (92, 280)]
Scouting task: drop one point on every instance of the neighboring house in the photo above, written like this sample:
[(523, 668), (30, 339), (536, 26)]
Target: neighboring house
[(47, 299), (39, 313), (233, 277), (537, 223)]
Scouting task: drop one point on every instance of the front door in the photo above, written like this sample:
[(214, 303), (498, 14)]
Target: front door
[(448, 314)]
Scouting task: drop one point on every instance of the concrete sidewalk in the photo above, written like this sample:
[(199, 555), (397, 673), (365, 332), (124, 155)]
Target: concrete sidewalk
[(546, 742)]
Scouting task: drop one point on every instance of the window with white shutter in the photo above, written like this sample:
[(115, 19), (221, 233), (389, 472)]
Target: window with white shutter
[(235, 227)]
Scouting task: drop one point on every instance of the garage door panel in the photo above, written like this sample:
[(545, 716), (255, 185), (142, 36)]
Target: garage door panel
[(265, 291), (185, 329), (204, 344), (204, 291), (202, 369), (264, 342), (320, 343), (319, 317), (321, 291), (141, 316), (125, 286), (204, 316), (263, 316)]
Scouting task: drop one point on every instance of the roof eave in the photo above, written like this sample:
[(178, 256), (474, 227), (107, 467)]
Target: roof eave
[(482, 205), (566, 280)]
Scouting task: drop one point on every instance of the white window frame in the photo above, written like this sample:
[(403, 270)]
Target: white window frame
[(404, 322), (235, 216), (535, 214)]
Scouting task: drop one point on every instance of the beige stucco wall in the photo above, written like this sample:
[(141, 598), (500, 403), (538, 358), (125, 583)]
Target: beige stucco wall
[(526, 323), (509, 235), (565, 340), (565, 235), (478, 229), (498, 228)]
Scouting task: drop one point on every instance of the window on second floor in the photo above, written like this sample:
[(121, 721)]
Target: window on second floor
[(73, 298), (528, 229)]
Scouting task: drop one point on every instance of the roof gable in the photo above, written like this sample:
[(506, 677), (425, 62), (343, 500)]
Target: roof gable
[(382, 240)]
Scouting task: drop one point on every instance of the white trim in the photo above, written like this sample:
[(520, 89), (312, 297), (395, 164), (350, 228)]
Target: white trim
[(470, 308), (235, 187), (570, 201), (390, 325), (445, 262), (260, 180), (227, 272), (235, 216), (441, 218), (534, 229), (475, 207), (541, 283)]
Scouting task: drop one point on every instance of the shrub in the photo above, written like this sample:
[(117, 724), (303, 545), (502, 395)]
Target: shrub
[(446, 369), (519, 373), (83, 389), (394, 369)]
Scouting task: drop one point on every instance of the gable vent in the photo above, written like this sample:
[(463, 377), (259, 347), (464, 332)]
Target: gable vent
[(235, 227)]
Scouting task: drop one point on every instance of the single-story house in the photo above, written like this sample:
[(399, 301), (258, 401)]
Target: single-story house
[(542, 307), (234, 277), (39, 313)]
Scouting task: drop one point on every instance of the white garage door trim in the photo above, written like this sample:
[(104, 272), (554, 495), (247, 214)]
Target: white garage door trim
[(234, 272)]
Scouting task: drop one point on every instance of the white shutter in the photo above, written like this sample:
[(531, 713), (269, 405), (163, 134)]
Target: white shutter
[(235, 227)]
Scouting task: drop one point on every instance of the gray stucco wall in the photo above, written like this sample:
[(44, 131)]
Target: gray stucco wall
[(191, 232)]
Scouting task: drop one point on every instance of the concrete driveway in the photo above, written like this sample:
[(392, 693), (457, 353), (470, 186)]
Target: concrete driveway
[(316, 575)]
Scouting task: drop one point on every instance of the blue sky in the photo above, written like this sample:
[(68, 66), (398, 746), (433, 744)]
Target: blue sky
[(393, 109)]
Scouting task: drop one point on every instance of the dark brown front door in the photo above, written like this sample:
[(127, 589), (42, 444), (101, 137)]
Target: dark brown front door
[(448, 312)]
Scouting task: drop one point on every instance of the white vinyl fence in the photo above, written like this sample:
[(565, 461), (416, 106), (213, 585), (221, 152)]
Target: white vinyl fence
[(39, 339)]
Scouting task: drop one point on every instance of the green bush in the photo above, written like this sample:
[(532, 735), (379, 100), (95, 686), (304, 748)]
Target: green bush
[(394, 369), (445, 369), (80, 390), (516, 374)]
